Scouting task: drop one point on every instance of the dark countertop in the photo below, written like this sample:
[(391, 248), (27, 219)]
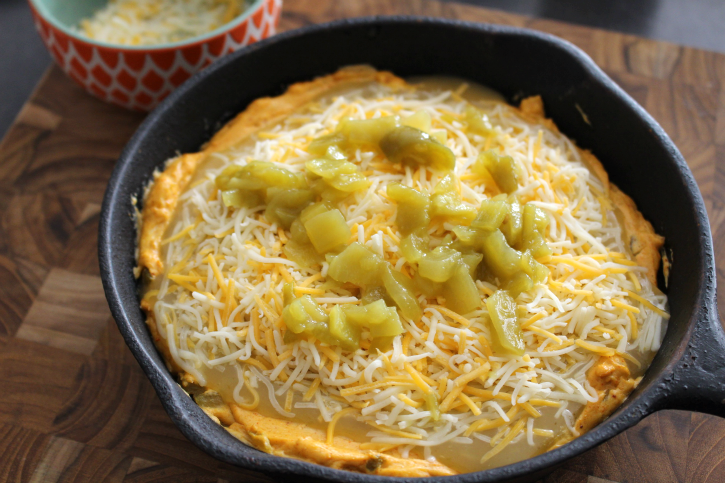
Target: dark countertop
[(698, 23), (23, 59)]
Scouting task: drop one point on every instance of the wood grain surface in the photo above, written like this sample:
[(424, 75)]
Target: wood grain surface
[(74, 404)]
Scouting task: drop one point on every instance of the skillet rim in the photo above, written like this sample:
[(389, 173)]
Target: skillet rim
[(171, 395)]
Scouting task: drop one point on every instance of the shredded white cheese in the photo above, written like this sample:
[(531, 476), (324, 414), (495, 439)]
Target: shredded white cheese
[(153, 22), (219, 303)]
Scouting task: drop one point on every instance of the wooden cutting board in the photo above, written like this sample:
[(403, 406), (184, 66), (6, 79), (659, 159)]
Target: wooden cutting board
[(74, 404)]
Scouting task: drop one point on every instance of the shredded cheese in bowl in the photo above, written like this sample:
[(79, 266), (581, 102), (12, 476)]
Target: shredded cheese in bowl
[(155, 22), (444, 391)]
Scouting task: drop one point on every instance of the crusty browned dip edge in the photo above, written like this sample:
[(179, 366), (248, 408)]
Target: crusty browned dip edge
[(610, 375)]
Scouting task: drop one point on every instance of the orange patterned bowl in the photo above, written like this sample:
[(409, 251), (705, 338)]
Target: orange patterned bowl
[(139, 77)]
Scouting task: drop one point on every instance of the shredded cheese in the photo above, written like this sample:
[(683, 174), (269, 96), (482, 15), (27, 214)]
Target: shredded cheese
[(220, 304), (153, 22)]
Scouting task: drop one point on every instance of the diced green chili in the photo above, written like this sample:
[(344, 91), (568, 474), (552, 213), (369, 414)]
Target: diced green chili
[(471, 260), (357, 264), (519, 282), (381, 344), (313, 210), (536, 244), (348, 334), (338, 173), (427, 287), (411, 146), (512, 224), (477, 121), (327, 231), (413, 207), (503, 169), (367, 131), (402, 291), (298, 232), (537, 271), (390, 327), (257, 175), (302, 254), (447, 202), (460, 291), (248, 185), (502, 310), (534, 223), (491, 215), (240, 198), (303, 315), (502, 260), (414, 246), (322, 144), (439, 264), (285, 205), (534, 219), (288, 293), (382, 321), (374, 293)]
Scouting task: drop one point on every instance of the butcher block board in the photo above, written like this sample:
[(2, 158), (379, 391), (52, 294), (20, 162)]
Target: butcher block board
[(74, 404)]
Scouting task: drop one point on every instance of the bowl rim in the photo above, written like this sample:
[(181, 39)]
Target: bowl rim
[(645, 403), (40, 9)]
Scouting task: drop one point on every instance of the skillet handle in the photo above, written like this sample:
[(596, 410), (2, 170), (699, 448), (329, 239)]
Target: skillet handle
[(697, 382)]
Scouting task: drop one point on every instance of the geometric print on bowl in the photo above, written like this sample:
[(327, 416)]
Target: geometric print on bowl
[(140, 79)]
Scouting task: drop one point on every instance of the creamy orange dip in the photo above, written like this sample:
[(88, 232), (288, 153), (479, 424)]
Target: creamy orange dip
[(449, 392)]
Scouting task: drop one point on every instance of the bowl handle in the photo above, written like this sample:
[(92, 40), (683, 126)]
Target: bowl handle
[(697, 381)]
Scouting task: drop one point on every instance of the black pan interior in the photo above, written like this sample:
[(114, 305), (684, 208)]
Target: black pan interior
[(635, 151)]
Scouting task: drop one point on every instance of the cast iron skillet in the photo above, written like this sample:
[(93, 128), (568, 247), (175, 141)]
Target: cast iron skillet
[(689, 370)]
